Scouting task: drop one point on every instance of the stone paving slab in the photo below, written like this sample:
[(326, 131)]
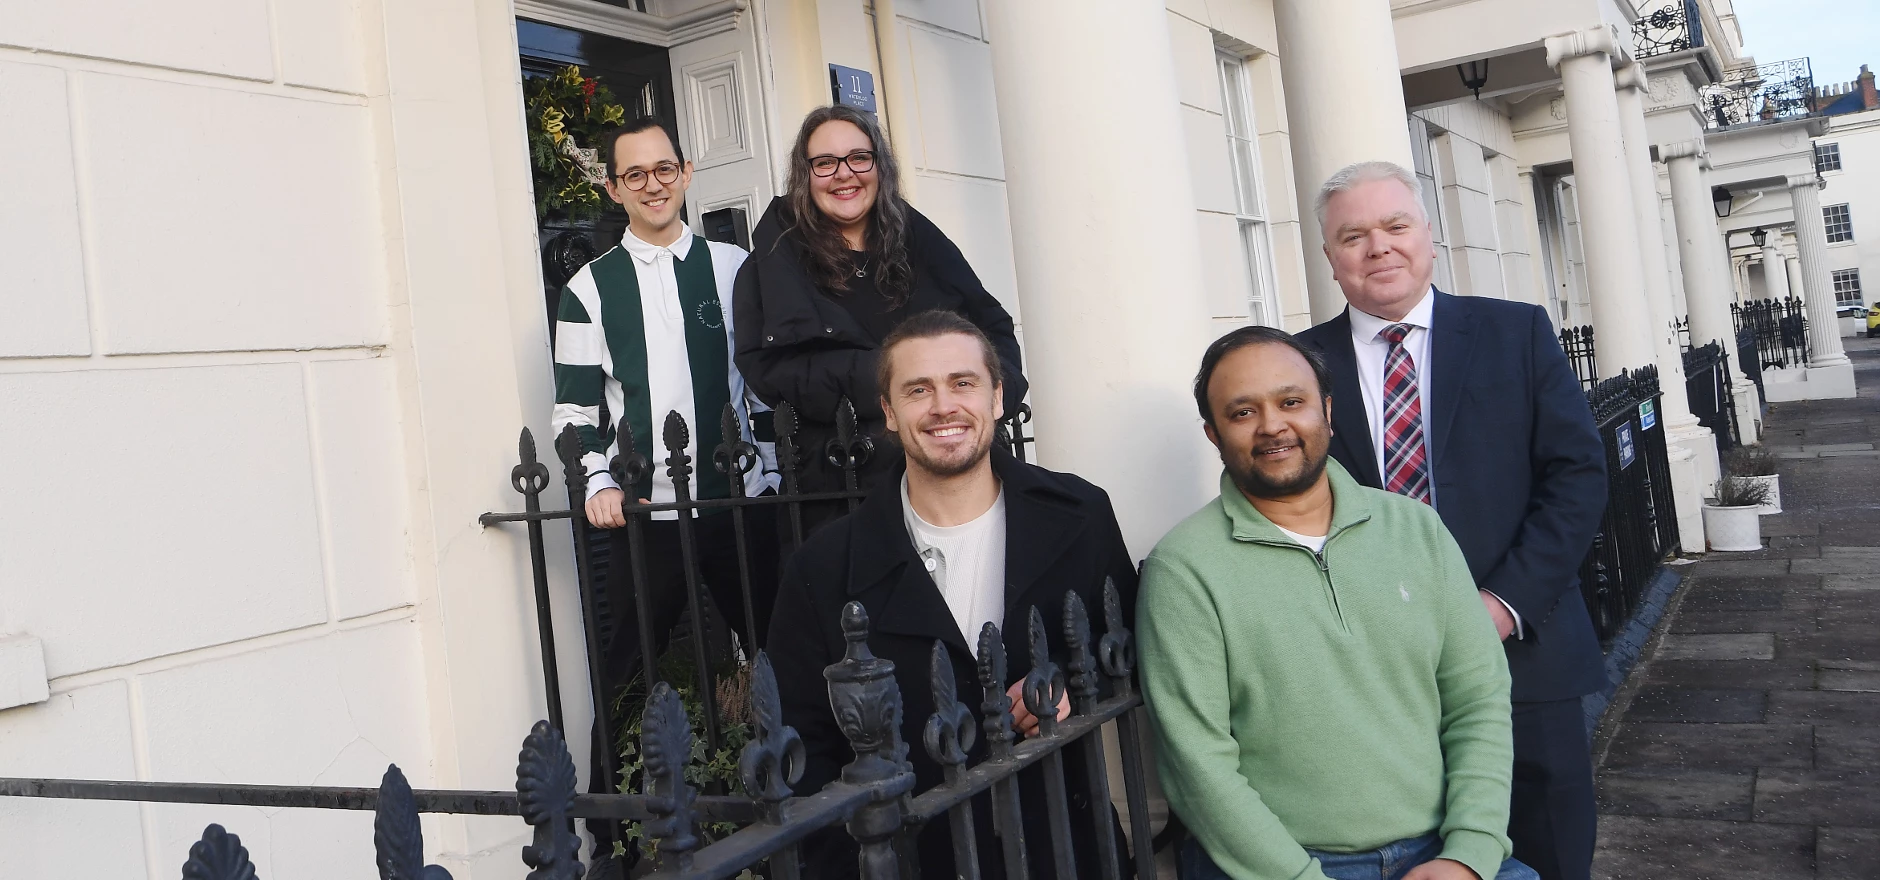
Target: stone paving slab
[(1718, 646), (1795, 716), (1642, 848)]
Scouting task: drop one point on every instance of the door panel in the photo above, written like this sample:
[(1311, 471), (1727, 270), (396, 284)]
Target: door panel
[(721, 121)]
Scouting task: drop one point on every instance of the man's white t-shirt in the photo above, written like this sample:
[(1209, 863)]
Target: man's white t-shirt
[(1313, 543), (967, 563)]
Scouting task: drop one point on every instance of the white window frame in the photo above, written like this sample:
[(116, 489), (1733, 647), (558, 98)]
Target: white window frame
[(1422, 155), (1847, 287), (1840, 229), (1250, 213), (1825, 154)]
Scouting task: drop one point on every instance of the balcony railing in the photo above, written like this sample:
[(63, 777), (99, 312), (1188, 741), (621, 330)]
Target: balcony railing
[(1765, 93), (1676, 27)]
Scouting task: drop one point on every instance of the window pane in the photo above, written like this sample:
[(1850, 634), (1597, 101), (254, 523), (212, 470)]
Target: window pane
[(1847, 287), (1839, 223), (1259, 266), (1246, 177)]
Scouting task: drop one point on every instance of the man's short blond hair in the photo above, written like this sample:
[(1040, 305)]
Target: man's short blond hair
[(1350, 176)]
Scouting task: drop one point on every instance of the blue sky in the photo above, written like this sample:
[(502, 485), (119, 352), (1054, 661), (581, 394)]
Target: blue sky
[(1838, 36)]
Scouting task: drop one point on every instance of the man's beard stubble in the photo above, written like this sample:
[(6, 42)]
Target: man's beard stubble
[(1252, 482)]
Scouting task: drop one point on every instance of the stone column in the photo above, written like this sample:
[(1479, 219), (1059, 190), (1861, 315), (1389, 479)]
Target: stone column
[(1811, 244), (1793, 265), (1608, 222), (1709, 286), (1776, 270), (1344, 104), (1109, 273), (1692, 448)]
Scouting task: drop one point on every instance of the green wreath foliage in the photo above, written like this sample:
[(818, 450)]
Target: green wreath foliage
[(568, 114)]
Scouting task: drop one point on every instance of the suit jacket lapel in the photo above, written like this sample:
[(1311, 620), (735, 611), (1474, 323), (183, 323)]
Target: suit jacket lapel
[(1452, 346), (1037, 534), (1349, 423)]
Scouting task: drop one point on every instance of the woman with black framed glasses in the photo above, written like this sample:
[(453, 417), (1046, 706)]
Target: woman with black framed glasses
[(836, 263)]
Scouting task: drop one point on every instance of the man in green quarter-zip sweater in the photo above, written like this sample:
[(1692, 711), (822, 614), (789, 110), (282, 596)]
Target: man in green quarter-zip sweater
[(1329, 691)]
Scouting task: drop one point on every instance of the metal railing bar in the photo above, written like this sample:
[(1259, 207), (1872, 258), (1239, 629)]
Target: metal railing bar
[(928, 805), (461, 802), (631, 508)]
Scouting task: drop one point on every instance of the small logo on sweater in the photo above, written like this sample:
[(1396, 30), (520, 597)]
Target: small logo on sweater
[(1404, 592), (710, 314)]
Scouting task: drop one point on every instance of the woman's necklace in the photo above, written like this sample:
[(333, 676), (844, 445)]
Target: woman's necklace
[(862, 270)]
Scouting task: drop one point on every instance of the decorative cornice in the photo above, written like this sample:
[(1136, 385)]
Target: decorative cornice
[(1805, 181), (1596, 40), (642, 27)]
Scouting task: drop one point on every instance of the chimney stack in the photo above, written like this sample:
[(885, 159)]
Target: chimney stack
[(1869, 97)]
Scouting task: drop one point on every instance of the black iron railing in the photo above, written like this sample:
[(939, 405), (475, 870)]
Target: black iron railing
[(1639, 527), (1577, 342), (873, 799), (1766, 93), (1712, 400), (1780, 328), (1673, 28)]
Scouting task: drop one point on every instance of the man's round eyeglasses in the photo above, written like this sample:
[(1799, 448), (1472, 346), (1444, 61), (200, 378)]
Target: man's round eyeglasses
[(664, 172), (859, 162)]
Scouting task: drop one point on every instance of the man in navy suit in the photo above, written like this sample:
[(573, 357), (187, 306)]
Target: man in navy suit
[(1469, 405)]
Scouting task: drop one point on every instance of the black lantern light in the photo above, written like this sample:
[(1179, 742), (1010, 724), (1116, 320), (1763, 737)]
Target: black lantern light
[(1760, 236), (1721, 199), (1474, 76)]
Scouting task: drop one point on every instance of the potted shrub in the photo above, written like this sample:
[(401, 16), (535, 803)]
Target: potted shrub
[(1731, 520), (1757, 464)]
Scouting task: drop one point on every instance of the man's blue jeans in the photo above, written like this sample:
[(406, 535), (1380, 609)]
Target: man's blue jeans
[(1389, 862)]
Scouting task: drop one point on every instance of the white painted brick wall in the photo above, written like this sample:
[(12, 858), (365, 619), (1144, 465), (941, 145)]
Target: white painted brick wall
[(42, 275)]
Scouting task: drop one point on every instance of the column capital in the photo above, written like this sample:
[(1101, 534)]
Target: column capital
[(1692, 149), (1597, 40), (1806, 181), (1630, 75)]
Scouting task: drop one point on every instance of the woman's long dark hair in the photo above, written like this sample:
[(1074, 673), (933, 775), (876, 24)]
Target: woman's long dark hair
[(825, 252)]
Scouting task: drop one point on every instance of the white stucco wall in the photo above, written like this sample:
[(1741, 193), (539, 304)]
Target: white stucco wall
[(1856, 185), (269, 324)]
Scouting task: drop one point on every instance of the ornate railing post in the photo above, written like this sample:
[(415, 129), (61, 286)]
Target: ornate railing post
[(530, 478), (397, 837), (949, 738), (789, 459), (996, 714), (1044, 690), (219, 855), (848, 450), (1084, 694), (773, 760), (569, 449), (666, 739), (867, 706), (1116, 654), (734, 458), (679, 468), (545, 793)]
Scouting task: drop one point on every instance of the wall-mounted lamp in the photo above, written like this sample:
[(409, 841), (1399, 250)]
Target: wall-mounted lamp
[(1721, 199), (1474, 76), (1760, 236)]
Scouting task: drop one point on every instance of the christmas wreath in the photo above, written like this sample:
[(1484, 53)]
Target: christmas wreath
[(568, 114)]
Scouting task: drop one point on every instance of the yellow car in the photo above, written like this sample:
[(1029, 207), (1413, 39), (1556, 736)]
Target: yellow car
[(1873, 321)]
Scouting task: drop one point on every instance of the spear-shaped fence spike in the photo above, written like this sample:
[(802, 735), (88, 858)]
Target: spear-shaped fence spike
[(666, 738), (950, 732), (629, 465), (773, 760), (783, 418), (531, 476), (569, 449), (397, 837), (997, 708), (1116, 651), (219, 855), (848, 450), (545, 785), (734, 458), (1044, 684), (678, 463), (1083, 664)]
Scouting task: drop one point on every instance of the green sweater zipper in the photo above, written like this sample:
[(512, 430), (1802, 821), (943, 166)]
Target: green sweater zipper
[(1287, 721)]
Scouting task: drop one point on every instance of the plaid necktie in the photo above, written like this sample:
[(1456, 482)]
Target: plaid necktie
[(1406, 459)]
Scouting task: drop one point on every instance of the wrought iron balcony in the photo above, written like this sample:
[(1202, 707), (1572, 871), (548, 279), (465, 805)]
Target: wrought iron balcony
[(1767, 93), (1676, 27)]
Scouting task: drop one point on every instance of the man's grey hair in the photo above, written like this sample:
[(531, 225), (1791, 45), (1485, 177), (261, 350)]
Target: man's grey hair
[(1350, 176)]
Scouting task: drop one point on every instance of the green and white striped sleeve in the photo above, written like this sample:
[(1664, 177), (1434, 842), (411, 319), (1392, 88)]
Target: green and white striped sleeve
[(580, 384)]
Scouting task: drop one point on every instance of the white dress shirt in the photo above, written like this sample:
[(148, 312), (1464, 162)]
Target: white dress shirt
[(1371, 353), (967, 563)]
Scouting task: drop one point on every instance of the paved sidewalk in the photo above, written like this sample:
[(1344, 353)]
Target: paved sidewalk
[(1747, 742)]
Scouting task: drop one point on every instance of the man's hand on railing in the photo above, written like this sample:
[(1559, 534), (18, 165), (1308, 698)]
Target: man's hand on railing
[(605, 509), (1022, 720)]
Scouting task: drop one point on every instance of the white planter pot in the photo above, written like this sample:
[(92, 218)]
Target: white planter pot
[(1733, 528), (1774, 484)]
